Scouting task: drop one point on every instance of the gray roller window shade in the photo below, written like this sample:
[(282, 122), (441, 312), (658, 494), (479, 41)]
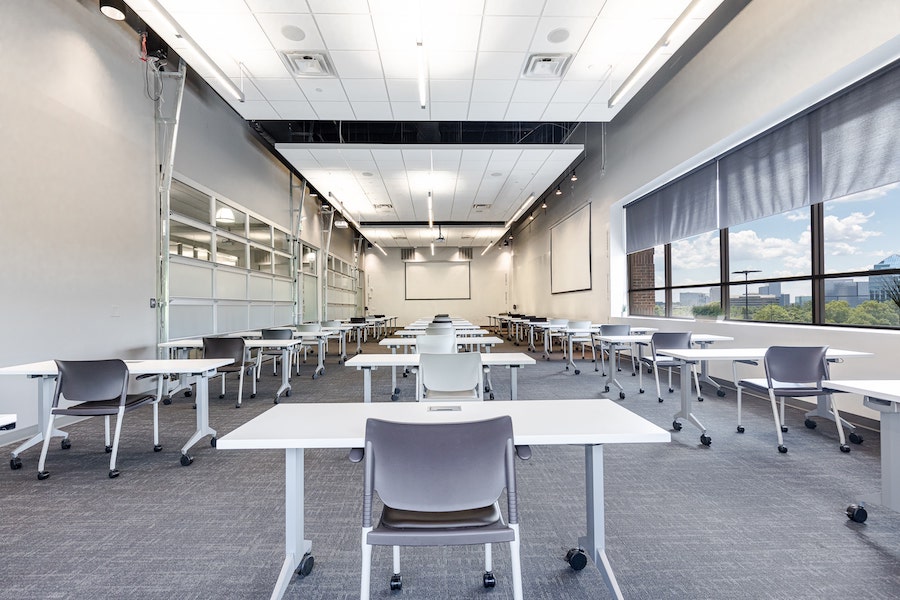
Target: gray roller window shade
[(861, 137), (766, 177), (683, 208)]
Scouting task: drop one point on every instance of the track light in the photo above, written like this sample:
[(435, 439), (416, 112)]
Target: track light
[(574, 177), (544, 204), (423, 75), (114, 9), (558, 191)]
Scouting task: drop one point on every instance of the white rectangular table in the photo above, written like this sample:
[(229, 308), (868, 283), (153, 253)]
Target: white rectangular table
[(201, 368), (7, 419), (882, 395), (371, 362), (591, 423), (688, 356)]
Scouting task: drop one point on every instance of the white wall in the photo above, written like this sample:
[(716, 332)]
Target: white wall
[(774, 59), (386, 288), (77, 202)]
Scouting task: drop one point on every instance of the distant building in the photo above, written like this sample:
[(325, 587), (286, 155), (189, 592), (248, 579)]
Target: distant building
[(693, 298), (774, 289), (852, 292), (878, 284)]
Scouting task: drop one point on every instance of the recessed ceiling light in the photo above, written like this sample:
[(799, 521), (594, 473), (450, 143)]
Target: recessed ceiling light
[(558, 35), (496, 174), (364, 173), (295, 34)]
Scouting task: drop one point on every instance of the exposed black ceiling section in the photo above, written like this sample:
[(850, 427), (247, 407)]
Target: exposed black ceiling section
[(413, 132)]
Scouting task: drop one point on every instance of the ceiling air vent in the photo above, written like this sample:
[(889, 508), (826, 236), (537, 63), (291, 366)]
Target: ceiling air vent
[(481, 207), (465, 253), (307, 64), (546, 66), (407, 253), (383, 207)]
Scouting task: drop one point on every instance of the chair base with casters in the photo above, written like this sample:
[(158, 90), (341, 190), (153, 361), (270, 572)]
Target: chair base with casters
[(100, 388), (234, 348), (668, 365), (663, 340)]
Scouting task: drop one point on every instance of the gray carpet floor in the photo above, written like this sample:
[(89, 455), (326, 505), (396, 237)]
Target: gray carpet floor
[(735, 520)]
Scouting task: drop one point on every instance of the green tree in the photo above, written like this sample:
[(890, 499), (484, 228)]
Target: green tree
[(837, 311), (772, 313), (876, 313), (713, 309)]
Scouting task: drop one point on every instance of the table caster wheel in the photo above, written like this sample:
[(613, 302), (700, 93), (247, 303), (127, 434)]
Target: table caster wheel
[(15, 463), (275, 401), (705, 440), (221, 396), (66, 443), (212, 442), (186, 460), (810, 424), (606, 388), (699, 398), (396, 582), (676, 426), (845, 448), (784, 429), (253, 395), (42, 475), (660, 399), (578, 371), (782, 449), (856, 438), (113, 473), (489, 580), (641, 391), (237, 404), (157, 448), (188, 393), (720, 393), (395, 397), (107, 449), (306, 565), (491, 396), (287, 392), (857, 513), (405, 374), (671, 390), (167, 401), (740, 429), (397, 390), (576, 558), (621, 395)]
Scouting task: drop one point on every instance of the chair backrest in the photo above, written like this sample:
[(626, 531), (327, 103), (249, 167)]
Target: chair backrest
[(331, 323), (441, 325), (439, 467), (796, 364), (224, 347), (357, 319), (539, 319), (277, 334), (442, 316), (309, 327), (450, 372), (441, 343), (670, 339), (562, 322), (433, 329), (579, 325), (615, 329), (91, 380)]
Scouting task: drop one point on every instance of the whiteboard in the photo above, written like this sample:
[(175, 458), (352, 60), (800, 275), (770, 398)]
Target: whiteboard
[(570, 253), (438, 281)]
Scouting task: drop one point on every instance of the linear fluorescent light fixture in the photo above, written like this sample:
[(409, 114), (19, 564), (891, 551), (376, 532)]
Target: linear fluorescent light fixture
[(380, 248), (522, 209), (430, 212), (423, 75), (661, 45), (195, 48)]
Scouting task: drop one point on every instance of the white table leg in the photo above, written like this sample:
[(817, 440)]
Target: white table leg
[(513, 382), (367, 383), (890, 460), (320, 348), (685, 412), (203, 428), (595, 540), (612, 351), (395, 391), (46, 389), (285, 373), (571, 345), (295, 546)]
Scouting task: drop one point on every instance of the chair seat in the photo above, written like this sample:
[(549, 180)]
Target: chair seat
[(413, 528), (451, 395), (233, 368), (105, 407), (661, 361), (783, 389)]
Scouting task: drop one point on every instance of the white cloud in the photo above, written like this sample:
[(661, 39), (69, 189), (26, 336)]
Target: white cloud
[(849, 230), (864, 195), (698, 252)]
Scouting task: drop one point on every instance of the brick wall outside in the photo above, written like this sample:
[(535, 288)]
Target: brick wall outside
[(641, 275)]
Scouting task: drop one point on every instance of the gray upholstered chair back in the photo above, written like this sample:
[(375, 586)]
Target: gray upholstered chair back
[(224, 347), (439, 467), (670, 340), (309, 327), (615, 329), (277, 334), (91, 380), (796, 365)]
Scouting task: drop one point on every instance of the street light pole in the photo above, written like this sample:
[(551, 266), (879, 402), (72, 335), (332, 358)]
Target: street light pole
[(746, 274)]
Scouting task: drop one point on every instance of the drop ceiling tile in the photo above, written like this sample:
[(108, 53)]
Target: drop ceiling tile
[(409, 111), (277, 6), (499, 65), (596, 112), (396, 31), (525, 111), (257, 63), (333, 110), (451, 65), (442, 90), (254, 110), (573, 8), (588, 67), (322, 90), (577, 91), (506, 34), (451, 33), (574, 28), (399, 64), (236, 32), (284, 88), (528, 90), (278, 27), (492, 90), (339, 6), (347, 32), (449, 111), (207, 6), (357, 65), (563, 111), (299, 111), (513, 7), (251, 92), (403, 90), (365, 90)]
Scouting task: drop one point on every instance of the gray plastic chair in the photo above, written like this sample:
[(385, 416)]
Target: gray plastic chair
[(792, 372), (450, 376), (440, 484), (100, 387), (604, 347), (274, 354), (307, 343), (664, 340), (234, 348)]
